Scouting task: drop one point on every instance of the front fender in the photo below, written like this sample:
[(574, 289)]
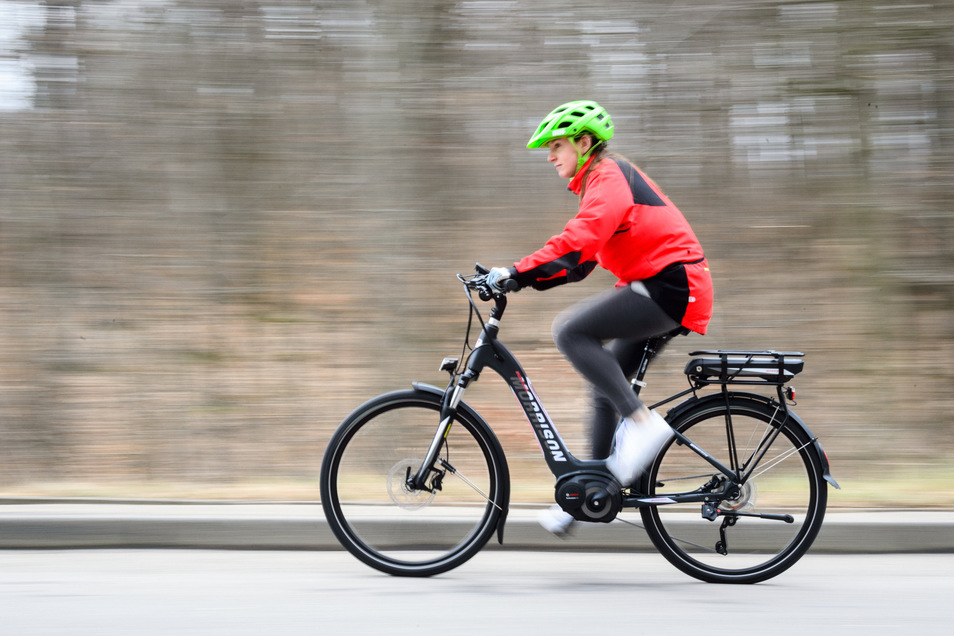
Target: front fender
[(676, 412), (498, 449)]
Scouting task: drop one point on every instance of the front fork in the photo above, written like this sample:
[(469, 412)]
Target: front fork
[(452, 398), (448, 411)]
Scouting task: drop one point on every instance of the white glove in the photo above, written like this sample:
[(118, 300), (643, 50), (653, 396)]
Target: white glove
[(496, 278)]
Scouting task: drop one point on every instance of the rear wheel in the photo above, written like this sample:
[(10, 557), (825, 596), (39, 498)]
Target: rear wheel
[(401, 530), (768, 524)]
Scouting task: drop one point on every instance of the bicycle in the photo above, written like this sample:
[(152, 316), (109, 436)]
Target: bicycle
[(415, 482)]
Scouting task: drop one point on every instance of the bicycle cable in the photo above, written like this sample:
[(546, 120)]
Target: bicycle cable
[(464, 355)]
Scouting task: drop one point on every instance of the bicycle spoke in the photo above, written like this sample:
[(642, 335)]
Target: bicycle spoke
[(377, 513), (778, 459), (779, 482), (697, 546), (453, 471)]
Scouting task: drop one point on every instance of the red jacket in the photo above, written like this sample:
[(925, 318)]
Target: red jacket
[(628, 226)]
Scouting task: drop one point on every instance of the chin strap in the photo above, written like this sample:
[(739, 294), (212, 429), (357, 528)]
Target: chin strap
[(582, 158)]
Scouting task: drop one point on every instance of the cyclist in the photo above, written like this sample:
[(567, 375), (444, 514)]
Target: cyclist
[(628, 226)]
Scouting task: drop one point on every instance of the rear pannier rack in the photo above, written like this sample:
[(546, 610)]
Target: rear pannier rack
[(744, 367)]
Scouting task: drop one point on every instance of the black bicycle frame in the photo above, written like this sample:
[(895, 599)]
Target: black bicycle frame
[(489, 352)]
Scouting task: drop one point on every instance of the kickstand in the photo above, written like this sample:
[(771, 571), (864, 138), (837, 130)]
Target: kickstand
[(722, 547)]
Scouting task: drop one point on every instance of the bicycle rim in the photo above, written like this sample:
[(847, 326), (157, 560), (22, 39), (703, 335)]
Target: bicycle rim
[(786, 481), (392, 528)]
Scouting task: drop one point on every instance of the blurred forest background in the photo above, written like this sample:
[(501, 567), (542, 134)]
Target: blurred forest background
[(226, 223)]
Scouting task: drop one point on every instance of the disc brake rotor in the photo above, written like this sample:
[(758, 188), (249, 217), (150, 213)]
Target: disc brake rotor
[(398, 490), (748, 493)]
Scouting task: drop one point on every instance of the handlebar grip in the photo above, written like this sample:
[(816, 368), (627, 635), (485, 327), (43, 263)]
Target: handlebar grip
[(510, 285)]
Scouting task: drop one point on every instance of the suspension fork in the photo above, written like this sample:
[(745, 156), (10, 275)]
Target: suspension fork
[(449, 404), (448, 411)]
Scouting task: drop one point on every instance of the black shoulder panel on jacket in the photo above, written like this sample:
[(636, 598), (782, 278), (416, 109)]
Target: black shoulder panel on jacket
[(643, 194)]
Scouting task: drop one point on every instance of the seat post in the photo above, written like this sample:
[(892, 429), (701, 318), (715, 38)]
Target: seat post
[(652, 348)]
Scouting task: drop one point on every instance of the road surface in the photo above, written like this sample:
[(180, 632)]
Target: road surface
[(143, 592)]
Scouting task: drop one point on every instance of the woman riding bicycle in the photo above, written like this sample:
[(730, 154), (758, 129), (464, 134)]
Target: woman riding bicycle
[(628, 226)]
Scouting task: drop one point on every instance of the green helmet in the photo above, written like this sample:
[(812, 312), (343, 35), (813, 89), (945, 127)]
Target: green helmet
[(571, 120)]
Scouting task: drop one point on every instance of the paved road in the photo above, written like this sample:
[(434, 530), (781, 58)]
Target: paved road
[(144, 592)]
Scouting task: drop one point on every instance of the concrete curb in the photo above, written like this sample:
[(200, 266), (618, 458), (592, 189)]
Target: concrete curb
[(301, 526)]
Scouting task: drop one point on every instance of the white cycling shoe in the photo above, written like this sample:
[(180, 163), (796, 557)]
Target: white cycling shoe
[(556, 521), (637, 443)]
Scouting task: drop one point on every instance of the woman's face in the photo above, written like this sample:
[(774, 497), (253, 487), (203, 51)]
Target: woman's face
[(564, 155)]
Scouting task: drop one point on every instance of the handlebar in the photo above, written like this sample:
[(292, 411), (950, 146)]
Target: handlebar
[(478, 282)]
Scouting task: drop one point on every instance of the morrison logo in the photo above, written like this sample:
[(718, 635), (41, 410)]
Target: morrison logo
[(548, 439)]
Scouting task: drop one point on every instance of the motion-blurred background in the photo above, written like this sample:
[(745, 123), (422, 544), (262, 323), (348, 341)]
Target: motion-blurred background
[(226, 223)]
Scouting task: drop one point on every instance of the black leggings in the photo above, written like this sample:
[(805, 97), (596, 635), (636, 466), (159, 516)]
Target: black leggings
[(627, 318)]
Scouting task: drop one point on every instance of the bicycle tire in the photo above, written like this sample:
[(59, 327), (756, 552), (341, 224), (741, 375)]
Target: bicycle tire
[(789, 480), (403, 532)]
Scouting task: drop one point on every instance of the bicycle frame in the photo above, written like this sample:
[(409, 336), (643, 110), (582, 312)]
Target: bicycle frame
[(489, 352), (492, 353)]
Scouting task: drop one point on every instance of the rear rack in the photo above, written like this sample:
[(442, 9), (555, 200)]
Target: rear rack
[(744, 367)]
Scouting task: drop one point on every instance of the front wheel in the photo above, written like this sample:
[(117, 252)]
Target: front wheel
[(768, 524), (402, 530)]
